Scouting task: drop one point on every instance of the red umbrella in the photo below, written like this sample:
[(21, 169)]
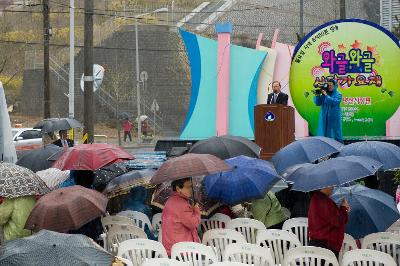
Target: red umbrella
[(66, 209), (189, 165), (91, 157)]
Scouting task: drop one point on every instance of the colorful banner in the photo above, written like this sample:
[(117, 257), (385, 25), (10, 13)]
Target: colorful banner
[(364, 59)]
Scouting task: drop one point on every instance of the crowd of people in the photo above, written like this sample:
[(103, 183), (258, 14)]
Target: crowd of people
[(181, 216)]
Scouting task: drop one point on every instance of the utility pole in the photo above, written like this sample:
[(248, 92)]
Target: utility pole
[(71, 94), (46, 60), (88, 76), (342, 9), (301, 18), (139, 137)]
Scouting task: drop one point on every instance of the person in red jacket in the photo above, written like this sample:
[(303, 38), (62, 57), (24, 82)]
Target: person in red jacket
[(327, 221), (180, 218)]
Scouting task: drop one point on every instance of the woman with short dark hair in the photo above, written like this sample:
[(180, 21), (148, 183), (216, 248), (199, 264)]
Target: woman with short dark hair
[(180, 218)]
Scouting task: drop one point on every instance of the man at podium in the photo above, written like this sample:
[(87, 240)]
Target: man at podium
[(277, 97)]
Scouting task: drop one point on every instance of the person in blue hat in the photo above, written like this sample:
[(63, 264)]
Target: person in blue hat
[(330, 118)]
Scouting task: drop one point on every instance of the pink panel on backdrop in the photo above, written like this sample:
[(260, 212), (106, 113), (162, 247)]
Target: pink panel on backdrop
[(275, 38), (393, 125), (223, 71), (282, 72), (260, 36)]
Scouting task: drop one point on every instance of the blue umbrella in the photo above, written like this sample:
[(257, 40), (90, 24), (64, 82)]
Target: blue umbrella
[(334, 172), (372, 210), (292, 171), (249, 178), (386, 153), (307, 150)]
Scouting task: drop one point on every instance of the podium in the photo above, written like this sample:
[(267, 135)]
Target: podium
[(274, 128)]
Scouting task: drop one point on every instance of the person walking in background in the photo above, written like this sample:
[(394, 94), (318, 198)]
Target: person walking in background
[(327, 221), (180, 218), (268, 211), (127, 127)]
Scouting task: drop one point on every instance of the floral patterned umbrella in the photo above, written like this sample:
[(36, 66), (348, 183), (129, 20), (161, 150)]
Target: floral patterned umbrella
[(53, 177), (17, 181)]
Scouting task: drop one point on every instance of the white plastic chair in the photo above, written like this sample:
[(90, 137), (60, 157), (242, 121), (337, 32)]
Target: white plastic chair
[(195, 253), (120, 233), (394, 228), (219, 239), (108, 221), (310, 256), (229, 263), (217, 221), (248, 254), (164, 262), (140, 219), (138, 250), (367, 257), (157, 225), (385, 242), (278, 242), (247, 227), (156, 222), (298, 226), (348, 244)]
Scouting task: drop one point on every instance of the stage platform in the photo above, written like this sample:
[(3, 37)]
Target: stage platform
[(179, 145)]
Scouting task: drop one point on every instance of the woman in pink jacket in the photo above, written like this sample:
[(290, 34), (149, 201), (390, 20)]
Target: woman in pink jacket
[(180, 218)]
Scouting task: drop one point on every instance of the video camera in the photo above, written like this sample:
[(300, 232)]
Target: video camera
[(321, 87)]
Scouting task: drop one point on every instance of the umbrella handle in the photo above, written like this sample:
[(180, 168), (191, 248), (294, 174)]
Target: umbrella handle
[(193, 198)]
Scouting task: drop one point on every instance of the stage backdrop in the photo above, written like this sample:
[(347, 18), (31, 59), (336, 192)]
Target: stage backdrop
[(245, 66), (364, 58)]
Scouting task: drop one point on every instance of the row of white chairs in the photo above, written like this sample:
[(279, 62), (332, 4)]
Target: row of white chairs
[(144, 252), (249, 228)]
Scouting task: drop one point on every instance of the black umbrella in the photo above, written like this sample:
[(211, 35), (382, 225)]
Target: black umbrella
[(56, 124), (51, 248), (104, 175), (37, 159), (225, 147)]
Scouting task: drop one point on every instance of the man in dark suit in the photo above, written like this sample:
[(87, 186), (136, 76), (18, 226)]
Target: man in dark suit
[(64, 141), (277, 97)]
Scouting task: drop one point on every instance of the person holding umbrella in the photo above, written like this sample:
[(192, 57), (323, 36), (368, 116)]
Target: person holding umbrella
[(180, 217), (64, 141), (327, 221)]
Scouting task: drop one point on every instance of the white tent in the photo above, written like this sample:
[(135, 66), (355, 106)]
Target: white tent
[(7, 148)]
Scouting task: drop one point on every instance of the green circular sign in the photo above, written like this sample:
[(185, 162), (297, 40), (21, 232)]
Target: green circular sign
[(364, 59)]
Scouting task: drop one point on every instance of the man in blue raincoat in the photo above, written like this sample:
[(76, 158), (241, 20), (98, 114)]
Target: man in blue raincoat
[(330, 118)]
